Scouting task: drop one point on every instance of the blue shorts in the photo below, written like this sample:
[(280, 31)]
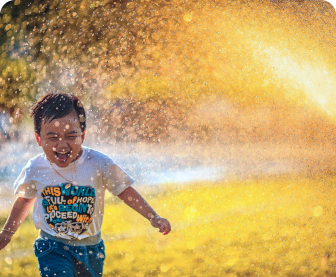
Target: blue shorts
[(59, 259)]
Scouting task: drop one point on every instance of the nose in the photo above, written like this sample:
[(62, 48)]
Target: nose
[(62, 144)]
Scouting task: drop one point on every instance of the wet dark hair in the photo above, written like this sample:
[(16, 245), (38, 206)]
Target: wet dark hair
[(57, 105)]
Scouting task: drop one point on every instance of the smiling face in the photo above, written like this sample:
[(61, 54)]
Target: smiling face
[(61, 139)]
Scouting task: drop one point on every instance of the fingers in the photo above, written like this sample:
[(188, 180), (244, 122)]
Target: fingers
[(165, 227), (161, 223), (165, 232)]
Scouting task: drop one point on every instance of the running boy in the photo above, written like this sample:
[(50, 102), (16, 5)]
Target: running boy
[(66, 184)]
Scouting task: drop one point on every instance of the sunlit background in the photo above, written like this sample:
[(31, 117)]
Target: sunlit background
[(223, 112)]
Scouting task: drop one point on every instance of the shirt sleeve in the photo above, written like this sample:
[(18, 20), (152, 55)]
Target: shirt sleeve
[(117, 180), (23, 186)]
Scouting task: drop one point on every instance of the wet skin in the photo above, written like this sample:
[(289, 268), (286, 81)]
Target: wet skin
[(61, 139)]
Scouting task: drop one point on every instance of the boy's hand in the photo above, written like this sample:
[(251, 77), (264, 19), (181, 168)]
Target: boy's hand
[(17, 215), (161, 223), (5, 238), (133, 199)]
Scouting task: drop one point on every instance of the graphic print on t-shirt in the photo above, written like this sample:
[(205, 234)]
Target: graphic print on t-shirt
[(68, 208)]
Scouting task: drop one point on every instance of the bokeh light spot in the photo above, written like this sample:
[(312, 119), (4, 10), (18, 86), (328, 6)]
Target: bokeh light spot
[(231, 262), (129, 258), (164, 268), (318, 211), (192, 245), (191, 213), (8, 260), (187, 17)]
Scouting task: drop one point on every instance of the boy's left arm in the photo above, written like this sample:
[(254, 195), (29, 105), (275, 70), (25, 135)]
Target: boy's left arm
[(133, 199)]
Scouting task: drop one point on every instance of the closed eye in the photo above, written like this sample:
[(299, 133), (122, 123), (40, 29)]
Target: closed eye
[(72, 137)]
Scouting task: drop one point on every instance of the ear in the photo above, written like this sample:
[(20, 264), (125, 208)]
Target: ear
[(38, 139), (83, 136)]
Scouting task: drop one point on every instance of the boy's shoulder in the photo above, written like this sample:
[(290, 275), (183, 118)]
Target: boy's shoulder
[(37, 160), (92, 155), (37, 163)]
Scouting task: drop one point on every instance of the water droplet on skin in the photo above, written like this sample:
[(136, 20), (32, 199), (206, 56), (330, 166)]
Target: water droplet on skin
[(67, 126), (54, 149), (130, 198), (60, 139), (57, 124)]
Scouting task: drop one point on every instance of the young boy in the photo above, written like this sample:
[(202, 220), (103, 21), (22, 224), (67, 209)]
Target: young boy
[(66, 184)]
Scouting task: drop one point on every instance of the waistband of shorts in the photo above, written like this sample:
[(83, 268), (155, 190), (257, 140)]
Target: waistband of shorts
[(92, 240)]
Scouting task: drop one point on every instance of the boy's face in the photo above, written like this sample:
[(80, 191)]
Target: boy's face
[(61, 139)]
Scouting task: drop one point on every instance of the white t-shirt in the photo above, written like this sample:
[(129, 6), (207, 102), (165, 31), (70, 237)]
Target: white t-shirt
[(65, 210)]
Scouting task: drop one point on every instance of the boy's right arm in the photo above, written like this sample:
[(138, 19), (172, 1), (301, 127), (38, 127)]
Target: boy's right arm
[(19, 212)]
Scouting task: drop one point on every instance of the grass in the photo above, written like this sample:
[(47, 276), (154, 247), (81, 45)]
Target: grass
[(260, 227)]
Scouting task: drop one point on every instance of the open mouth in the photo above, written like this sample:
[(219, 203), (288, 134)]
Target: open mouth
[(62, 156)]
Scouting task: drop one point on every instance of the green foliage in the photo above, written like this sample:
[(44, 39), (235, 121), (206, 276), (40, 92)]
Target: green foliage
[(16, 77)]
